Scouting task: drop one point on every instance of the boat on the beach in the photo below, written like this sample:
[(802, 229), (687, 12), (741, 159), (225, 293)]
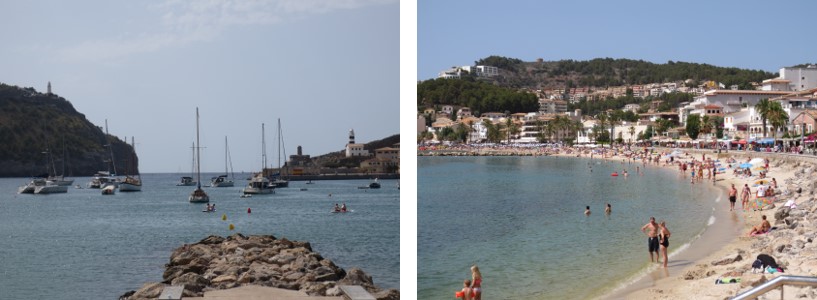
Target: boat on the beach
[(260, 184), (222, 180), (198, 195), (131, 183)]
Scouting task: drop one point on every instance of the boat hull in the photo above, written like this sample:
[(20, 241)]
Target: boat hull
[(51, 189), (129, 187), (223, 184), (252, 190)]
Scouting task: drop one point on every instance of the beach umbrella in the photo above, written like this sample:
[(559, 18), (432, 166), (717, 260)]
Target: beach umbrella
[(756, 160), (762, 181)]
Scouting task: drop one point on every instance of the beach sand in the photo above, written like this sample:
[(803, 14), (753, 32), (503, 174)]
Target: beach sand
[(724, 250)]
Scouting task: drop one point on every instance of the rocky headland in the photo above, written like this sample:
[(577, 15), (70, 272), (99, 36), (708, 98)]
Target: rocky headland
[(216, 263)]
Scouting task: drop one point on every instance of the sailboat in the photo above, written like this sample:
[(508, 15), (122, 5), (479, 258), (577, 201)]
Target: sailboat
[(222, 180), (55, 179), (131, 184), (278, 181), (260, 184), (198, 195), (104, 178), (188, 180)]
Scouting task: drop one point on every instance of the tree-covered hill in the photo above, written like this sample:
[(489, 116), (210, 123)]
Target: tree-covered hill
[(479, 96), (32, 123), (604, 72)]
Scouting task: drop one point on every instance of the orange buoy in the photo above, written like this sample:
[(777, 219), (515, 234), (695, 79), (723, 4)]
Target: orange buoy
[(614, 174)]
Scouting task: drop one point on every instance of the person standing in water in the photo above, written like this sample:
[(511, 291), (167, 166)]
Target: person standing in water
[(587, 211), (663, 236), (651, 230), (476, 282)]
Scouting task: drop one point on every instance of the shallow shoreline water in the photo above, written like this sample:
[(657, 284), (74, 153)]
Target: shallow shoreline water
[(529, 240)]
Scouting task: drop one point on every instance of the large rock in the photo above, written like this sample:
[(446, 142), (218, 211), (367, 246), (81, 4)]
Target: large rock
[(191, 281), (390, 294), (149, 290), (727, 260), (782, 213)]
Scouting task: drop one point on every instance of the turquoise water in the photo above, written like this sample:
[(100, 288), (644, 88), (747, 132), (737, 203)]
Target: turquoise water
[(521, 220), (82, 245)]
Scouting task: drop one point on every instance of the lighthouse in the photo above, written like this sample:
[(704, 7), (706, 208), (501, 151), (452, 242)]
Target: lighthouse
[(351, 136)]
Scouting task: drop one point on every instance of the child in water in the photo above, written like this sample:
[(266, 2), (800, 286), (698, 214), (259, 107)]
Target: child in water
[(467, 292)]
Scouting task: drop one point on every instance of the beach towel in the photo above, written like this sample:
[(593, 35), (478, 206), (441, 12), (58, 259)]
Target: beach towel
[(727, 280)]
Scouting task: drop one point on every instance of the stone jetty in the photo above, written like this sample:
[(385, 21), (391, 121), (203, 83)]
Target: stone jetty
[(216, 263)]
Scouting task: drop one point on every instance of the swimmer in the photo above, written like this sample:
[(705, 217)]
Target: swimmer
[(587, 211), (608, 209)]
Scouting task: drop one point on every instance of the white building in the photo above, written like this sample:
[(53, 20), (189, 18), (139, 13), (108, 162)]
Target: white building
[(730, 100), (551, 106), (353, 149), (482, 71), (452, 73), (633, 107), (801, 79)]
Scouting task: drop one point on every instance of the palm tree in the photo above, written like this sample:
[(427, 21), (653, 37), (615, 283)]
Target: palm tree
[(632, 131), (762, 108), (777, 117), (706, 125), (602, 121), (614, 118)]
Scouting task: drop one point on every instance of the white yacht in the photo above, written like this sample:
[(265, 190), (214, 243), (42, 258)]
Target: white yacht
[(260, 184)]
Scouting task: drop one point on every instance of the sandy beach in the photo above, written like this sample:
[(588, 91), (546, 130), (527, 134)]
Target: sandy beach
[(724, 249)]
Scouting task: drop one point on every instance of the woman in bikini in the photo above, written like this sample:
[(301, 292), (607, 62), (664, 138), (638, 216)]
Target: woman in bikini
[(663, 238), (476, 282)]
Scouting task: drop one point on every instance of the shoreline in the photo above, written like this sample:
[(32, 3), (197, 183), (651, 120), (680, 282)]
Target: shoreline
[(712, 253)]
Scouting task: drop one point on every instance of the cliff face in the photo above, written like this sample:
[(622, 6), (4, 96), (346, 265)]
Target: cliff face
[(32, 123)]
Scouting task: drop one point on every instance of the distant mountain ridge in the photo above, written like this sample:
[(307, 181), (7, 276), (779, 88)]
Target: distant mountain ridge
[(32, 123)]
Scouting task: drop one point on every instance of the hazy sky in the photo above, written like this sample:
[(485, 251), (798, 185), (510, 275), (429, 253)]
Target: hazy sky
[(322, 67), (745, 34)]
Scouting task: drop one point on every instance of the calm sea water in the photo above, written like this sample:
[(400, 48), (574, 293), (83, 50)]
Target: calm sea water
[(521, 220), (82, 245)]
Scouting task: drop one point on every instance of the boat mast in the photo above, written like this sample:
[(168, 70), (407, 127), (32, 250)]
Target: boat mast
[(263, 151), (133, 157), (225, 155), (110, 147), (198, 158)]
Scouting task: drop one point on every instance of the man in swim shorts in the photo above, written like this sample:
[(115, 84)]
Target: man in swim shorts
[(651, 230), (733, 197)]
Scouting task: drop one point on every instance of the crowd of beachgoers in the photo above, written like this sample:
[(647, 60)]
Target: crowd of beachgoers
[(776, 206)]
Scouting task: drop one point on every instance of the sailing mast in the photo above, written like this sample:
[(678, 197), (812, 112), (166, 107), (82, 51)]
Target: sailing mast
[(198, 153), (263, 151), (225, 155), (110, 147)]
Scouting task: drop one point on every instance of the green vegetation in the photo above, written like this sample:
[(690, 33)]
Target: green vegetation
[(480, 97), (32, 122), (501, 62)]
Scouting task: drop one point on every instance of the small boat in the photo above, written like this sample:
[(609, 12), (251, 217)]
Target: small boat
[(186, 181), (222, 180), (109, 190), (130, 183), (246, 196), (374, 184), (101, 179), (260, 184), (198, 195), (60, 180), (303, 189), (310, 182)]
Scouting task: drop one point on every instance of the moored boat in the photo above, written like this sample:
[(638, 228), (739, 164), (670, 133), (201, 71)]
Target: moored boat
[(131, 183), (374, 184), (50, 189), (222, 180), (260, 184), (198, 195)]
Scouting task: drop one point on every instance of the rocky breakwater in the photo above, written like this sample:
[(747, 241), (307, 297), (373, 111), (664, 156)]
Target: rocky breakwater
[(217, 263)]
